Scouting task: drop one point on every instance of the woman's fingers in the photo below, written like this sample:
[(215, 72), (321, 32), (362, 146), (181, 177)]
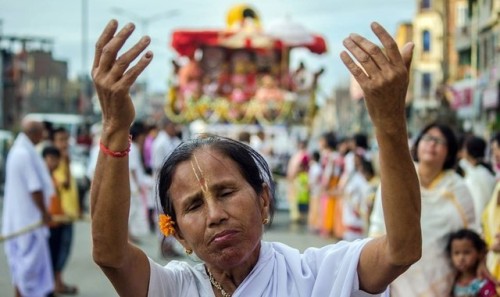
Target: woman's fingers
[(105, 37), (355, 70), (110, 50), (407, 54), (388, 43), (368, 54), (131, 75), (124, 60)]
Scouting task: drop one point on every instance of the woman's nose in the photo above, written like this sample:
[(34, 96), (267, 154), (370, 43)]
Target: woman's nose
[(215, 212)]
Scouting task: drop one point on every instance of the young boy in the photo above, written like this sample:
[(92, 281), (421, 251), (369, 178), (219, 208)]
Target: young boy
[(57, 240)]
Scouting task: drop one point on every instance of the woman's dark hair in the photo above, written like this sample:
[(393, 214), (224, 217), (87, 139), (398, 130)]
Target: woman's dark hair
[(138, 128), (252, 166), (361, 140), (476, 148), (476, 240), (51, 151), (451, 144), (330, 140)]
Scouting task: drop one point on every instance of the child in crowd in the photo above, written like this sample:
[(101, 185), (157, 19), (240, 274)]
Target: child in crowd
[(301, 183), (314, 179), (52, 157), (466, 249), (59, 248)]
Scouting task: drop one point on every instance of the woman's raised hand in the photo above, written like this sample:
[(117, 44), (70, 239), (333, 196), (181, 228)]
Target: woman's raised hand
[(383, 77), (113, 77)]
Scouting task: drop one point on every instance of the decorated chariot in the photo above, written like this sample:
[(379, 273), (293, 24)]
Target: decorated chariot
[(240, 74)]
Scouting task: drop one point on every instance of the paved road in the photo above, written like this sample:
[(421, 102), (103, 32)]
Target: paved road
[(82, 271)]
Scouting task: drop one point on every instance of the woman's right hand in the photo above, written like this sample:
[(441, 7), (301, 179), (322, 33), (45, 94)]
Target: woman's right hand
[(113, 77)]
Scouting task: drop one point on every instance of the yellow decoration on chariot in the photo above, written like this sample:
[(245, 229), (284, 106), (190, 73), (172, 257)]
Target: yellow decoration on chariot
[(242, 15)]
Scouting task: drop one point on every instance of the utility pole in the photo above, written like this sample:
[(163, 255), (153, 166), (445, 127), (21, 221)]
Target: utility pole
[(85, 95)]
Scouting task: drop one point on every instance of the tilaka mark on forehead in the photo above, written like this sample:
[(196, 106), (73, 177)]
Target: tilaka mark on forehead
[(202, 180)]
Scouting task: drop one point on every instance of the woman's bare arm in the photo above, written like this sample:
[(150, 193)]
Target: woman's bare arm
[(126, 266), (384, 82)]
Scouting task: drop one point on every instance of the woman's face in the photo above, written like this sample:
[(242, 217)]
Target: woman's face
[(219, 215), (432, 148)]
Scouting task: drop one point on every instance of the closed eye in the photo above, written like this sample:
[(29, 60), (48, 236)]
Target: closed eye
[(194, 205), (227, 192)]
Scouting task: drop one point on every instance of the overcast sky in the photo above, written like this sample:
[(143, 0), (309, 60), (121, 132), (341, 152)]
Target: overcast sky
[(61, 20)]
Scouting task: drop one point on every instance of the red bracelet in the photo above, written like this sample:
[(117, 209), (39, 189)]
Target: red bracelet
[(114, 154)]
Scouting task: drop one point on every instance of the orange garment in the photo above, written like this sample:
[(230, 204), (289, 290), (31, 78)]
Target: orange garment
[(328, 209), (338, 224), (55, 205), (332, 211)]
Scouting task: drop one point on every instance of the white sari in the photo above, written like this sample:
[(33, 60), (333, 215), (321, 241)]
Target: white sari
[(447, 206), (280, 271)]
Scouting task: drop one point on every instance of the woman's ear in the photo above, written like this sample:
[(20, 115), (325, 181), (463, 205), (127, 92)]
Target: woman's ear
[(265, 200), (180, 238)]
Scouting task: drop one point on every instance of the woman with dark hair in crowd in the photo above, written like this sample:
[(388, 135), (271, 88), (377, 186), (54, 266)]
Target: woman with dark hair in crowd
[(478, 175), (447, 206)]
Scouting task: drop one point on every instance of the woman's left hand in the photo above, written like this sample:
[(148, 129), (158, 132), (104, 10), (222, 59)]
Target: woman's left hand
[(383, 75)]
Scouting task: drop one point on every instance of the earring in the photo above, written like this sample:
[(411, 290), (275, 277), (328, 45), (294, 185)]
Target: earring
[(188, 251), (265, 221)]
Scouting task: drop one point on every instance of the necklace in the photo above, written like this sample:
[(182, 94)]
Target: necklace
[(217, 285)]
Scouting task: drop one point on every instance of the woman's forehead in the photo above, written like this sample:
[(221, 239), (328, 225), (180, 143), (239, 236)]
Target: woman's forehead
[(205, 169), (435, 131), (207, 162)]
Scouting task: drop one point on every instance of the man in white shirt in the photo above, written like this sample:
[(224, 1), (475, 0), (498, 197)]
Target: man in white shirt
[(28, 189)]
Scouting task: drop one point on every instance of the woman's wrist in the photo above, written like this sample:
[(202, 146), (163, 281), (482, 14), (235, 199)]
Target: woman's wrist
[(115, 140), (114, 153)]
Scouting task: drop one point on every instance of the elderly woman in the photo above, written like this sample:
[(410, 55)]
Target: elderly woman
[(216, 195), (447, 206)]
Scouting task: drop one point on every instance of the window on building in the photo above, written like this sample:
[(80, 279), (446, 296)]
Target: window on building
[(462, 15), (426, 84), (425, 4), (426, 41), (464, 57)]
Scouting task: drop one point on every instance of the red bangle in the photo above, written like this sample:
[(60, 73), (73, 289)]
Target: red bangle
[(114, 154)]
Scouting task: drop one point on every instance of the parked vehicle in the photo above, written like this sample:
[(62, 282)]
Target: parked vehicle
[(78, 127)]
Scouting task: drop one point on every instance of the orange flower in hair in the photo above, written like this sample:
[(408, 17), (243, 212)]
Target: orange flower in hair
[(166, 225)]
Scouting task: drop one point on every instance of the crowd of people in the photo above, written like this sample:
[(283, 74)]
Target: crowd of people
[(335, 191), (424, 216)]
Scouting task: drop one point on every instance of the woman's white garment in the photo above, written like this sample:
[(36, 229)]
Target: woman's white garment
[(28, 255), (355, 204), (481, 183), (280, 271), (138, 220), (314, 175), (446, 207)]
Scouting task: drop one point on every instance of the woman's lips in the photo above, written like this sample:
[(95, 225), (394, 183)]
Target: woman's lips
[(224, 236)]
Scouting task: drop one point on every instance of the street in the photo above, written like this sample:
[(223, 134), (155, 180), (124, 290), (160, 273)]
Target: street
[(91, 281)]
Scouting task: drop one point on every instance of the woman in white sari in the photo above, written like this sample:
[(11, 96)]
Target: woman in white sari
[(447, 206), (216, 194)]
